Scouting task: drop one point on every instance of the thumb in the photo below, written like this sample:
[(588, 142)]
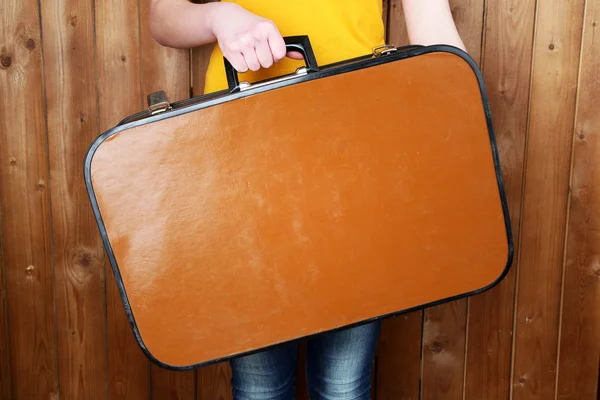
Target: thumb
[(295, 55)]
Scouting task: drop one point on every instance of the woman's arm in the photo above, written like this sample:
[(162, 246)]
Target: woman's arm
[(430, 22), (182, 24), (246, 40)]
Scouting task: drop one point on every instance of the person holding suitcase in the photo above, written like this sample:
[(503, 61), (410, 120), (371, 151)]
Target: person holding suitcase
[(249, 34)]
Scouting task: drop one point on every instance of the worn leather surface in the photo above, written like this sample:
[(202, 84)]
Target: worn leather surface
[(303, 209)]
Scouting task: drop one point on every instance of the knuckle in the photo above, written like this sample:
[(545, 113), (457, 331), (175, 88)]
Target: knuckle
[(233, 46), (266, 26), (258, 34), (248, 49), (244, 40), (240, 67), (278, 55)]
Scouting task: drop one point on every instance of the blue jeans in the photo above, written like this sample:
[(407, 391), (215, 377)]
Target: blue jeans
[(338, 367)]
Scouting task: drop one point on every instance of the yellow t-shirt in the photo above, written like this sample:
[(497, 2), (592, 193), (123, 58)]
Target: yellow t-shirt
[(338, 30)]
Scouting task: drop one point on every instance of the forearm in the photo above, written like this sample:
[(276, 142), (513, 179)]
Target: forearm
[(246, 40), (182, 24), (430, 22)]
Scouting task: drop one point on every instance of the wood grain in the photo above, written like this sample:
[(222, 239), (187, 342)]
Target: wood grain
[(199, 63), (25, 206), (385, 11), (399, 358), (301, 383), (5, 372), (163, 68), (92, 76), (396, 26), (214, 382), (78, 253), (444, 351), (506, 64), (552, 108), (445, 326), (468, 16), (580, 333), (200, 56), (172, 385), (119, 95)]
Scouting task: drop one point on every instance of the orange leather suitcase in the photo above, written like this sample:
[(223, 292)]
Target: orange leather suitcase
[(312, 202)]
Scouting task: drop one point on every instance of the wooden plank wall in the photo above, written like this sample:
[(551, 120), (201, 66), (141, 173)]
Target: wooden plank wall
[(70, 69)]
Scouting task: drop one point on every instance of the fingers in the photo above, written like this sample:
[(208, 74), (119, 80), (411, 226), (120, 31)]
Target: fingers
[(264, 54), (257, 48), (295, 55), (251, 59), (237, 61), (277, 46)]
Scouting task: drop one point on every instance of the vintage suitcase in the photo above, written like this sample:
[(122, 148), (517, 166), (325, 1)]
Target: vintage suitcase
[(321, 200)]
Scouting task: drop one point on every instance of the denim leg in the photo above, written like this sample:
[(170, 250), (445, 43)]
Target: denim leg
[(267, 375), (339, 364)]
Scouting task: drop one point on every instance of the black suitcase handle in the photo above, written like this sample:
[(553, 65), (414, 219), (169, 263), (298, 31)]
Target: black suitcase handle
[(300, 44)]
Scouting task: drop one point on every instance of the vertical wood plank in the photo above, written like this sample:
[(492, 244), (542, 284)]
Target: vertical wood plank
[(199, 62), (78, 254), (506, 67), (374, 377), (552, 108), (165, 69), (399, 359), (301, 384), (119, 94), (172, 385), (396, 26), (25, 204), (5, 373), (580, 332), (385, 12), (468, 16), (444, 328), (399, 349), (214, 382), (200, 58), (443, 351)]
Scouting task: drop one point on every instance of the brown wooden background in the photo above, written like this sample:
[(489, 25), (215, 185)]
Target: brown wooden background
[(70, 69)]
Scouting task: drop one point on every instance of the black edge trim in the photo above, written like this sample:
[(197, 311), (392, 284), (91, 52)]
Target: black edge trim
[(338, 68), (199, 99)]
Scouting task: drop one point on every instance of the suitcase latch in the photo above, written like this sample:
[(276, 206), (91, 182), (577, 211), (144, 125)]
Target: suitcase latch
[(384, 50), (157, 102)]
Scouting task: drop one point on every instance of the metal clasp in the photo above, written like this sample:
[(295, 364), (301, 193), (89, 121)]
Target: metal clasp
[(299, 72), (384, 50), (157, 102)]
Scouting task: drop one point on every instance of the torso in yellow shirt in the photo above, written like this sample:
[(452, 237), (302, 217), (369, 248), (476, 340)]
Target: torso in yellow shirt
[(338, 30)]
